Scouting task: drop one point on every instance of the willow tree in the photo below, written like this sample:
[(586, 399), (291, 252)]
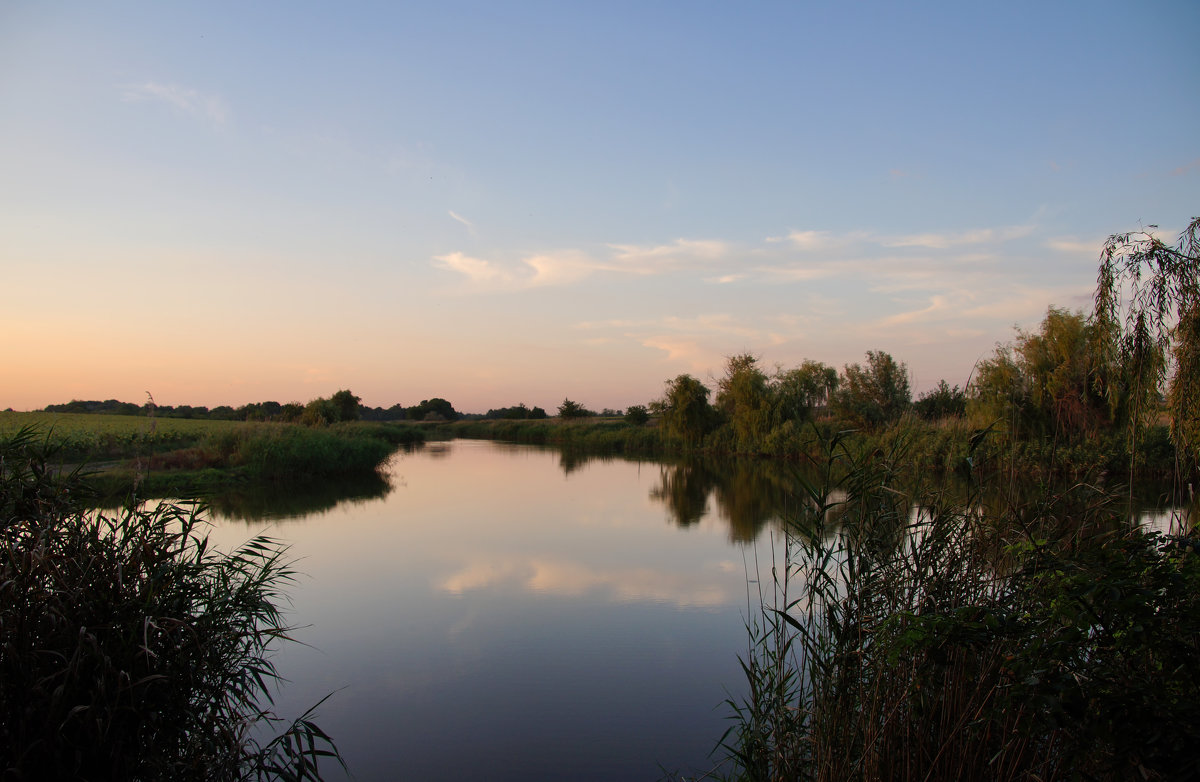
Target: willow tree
[(686, 413), (875, 394), (798, 391), (1147, 308), (744, 397)]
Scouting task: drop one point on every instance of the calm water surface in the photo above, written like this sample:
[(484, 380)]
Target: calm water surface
[(509, 612), (504, 613)]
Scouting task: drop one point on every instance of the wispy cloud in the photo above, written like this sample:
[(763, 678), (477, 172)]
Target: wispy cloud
[(476, 270), (819, 241), (564, 267), (798, 273), (941, 241), (456, 216), (716, 323), (1069, 244), (559, 268), (936, 305), (878, 287), (700, 343), (688, 352), (828, 242), (1186, 167), (189, 101), (651, 259)]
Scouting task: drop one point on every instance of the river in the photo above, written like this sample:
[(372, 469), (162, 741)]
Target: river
[(504, 612), (497, 611)]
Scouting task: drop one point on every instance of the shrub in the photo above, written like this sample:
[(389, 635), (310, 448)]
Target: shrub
[(637, 415), (128, 648)]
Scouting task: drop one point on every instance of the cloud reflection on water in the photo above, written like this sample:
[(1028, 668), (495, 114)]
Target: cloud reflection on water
[(694, 589)]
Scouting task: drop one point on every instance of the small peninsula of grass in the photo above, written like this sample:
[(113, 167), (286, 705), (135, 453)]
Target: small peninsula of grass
[(186, 457)]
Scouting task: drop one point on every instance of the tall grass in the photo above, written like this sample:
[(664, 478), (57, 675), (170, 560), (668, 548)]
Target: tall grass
[(128, 648), (905, 636), (93, 437), (277, 452), (227, 449), (600, 436)]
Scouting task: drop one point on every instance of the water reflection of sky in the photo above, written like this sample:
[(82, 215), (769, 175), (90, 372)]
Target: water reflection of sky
[(494, 617), (505, 612)]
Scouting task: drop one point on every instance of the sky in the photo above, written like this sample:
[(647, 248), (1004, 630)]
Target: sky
[(504, 202)]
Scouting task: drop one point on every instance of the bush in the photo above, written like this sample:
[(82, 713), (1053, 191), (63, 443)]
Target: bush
[(637, 415), (912, 637), (128, 648)]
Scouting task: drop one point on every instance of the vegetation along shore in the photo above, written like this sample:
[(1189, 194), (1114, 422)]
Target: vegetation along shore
[(903, 631)]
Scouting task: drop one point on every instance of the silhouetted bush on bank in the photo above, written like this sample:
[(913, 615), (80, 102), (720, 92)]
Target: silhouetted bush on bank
[(128, 648)]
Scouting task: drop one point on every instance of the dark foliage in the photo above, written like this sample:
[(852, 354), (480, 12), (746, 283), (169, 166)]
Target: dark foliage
[(128, 649)]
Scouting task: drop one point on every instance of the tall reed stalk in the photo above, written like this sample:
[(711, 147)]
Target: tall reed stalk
[(903, 637), (130, 650)]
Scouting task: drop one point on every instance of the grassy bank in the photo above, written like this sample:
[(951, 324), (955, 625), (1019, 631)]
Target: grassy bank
[(78, 437), (952, 444), (181, 456), (602, 436)]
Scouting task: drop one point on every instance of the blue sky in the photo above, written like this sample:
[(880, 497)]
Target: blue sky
[(505, 202)]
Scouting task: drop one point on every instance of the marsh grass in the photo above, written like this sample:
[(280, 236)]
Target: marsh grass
[(128, 648), (259, 450), (156, 457), (277, 452), (92, 437), (902, 635), (603, 436)]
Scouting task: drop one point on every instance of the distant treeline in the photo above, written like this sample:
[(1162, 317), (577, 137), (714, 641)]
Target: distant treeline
[(520, 412), (342, 406)]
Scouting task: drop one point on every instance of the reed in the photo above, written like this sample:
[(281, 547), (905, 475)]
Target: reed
[(905, 636), (129, 649), (598, 436)]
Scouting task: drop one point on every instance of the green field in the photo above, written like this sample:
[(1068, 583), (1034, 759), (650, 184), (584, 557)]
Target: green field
[(174, 456), (88, 436)]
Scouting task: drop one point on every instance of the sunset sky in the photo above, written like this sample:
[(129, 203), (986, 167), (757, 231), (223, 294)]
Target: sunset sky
[(503, 202)]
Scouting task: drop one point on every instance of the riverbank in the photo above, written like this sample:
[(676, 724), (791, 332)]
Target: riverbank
[(907, 634), (163, 457), (948, 445)]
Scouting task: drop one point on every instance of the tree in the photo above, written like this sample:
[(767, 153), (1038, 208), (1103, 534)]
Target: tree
[(941, 402), (569, 409), (1000, 390), (637, 415), (1058, 380), (291, 412), (798, 391), (517, 412), (1147, 314), (436, 409), (1066, 372), (346, 404), (686, 413), (743, 396), (875, 394), (319, 412)]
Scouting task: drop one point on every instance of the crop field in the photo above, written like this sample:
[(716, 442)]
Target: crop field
[(95, 436)]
